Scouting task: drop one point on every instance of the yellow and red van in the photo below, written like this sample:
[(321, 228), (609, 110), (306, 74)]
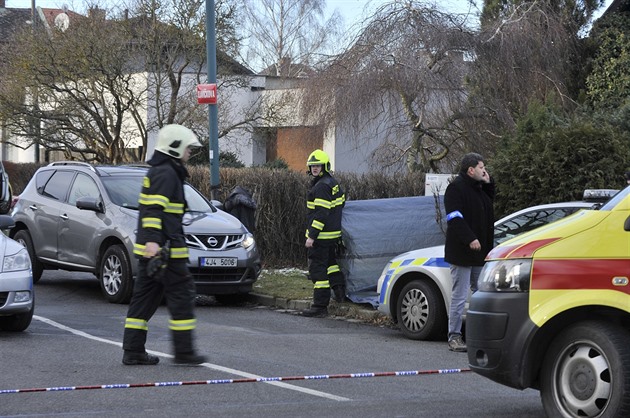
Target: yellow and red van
[(553, 313)]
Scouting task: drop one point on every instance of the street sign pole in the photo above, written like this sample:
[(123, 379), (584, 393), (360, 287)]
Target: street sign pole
[(211, 52)]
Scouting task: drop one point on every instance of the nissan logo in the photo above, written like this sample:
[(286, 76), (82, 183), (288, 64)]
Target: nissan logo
[(212, 241)]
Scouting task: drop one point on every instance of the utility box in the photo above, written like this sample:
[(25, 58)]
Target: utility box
[(435, 184)]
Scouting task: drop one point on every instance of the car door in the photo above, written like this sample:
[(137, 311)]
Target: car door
[(52, 189), (77, 227)]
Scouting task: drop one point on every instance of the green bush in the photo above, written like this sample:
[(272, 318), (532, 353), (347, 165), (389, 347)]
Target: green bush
[(281, 198), (553, 159), (276, 164)]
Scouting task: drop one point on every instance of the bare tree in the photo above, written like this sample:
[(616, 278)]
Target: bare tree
[(575, 14), (288, 35), (74, 90), (98, 89), (404, 78), (530, 54)]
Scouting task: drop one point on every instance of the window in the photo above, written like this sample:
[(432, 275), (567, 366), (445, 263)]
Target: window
[(83, 186), (57, 185), (528, 221)]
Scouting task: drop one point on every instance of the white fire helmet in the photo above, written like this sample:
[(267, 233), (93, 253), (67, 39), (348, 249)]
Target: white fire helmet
[(174, 139)]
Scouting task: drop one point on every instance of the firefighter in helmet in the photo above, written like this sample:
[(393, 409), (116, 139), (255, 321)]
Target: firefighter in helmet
[(324, 202), (161, 210)]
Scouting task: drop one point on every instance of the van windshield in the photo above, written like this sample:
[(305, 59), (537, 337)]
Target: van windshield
[(616, 199)]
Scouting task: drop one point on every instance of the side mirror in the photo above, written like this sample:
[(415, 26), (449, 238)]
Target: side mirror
[(90, 203), (626, 225), (6, 222)]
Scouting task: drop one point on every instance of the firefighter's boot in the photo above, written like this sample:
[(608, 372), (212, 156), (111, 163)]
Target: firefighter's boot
[(339, 293), (131, 358), (185, 354), (319, 309)]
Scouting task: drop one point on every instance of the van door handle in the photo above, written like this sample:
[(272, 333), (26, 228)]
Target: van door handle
[(33, 207), (64, 217)]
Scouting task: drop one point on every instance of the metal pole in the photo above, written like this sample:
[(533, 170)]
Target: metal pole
[(35, 120), (211, 52)]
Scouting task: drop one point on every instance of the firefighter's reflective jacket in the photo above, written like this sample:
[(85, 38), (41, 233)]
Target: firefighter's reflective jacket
[(324, 202), (162, 206)]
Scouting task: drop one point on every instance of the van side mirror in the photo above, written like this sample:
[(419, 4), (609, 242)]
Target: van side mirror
[(626, 225)]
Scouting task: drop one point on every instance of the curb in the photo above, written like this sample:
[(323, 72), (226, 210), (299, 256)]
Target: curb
[(346, 310)]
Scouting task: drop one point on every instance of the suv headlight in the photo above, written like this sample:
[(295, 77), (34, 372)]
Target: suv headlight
[(248, 241), (17, 262), (505, 276)]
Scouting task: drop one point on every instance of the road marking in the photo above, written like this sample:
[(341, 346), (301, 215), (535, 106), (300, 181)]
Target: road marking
[(207, 365)]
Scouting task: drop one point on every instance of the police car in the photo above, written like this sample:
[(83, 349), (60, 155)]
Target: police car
[(414, 288)]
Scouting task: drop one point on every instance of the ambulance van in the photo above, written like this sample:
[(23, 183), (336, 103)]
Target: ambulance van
[(553, 313)]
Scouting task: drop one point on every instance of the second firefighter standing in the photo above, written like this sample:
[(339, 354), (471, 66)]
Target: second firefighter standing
[(324, 203)]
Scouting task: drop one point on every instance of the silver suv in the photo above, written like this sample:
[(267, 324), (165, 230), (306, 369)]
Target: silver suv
[(78, 217)]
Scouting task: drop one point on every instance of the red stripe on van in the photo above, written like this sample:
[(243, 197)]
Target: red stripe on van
[(516, 251), (579, 274)]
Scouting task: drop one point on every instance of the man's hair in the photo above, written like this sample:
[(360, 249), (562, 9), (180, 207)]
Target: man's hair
[(470, 160)]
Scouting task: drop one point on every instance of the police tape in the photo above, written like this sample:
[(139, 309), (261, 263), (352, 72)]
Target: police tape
[(247, 380)]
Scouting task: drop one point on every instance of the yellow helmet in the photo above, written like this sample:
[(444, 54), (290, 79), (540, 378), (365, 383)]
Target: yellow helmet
[(318, 157), (174, 139)]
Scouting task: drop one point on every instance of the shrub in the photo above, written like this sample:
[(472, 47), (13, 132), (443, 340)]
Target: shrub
[(550, 159)]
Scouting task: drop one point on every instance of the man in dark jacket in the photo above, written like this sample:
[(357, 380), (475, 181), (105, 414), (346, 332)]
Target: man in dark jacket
[(161, 210), (241, 204), (468, 203), (324, 202)]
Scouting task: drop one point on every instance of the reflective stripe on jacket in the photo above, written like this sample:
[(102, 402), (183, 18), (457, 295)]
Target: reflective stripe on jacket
[(324, 202), (161, 209)]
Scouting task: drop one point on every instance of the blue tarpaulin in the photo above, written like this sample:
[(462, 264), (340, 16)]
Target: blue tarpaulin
[(375, 231)]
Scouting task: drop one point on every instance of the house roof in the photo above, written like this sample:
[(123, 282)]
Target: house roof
[(12, 21)]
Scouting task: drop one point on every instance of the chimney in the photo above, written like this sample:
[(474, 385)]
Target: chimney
[(94, 12)]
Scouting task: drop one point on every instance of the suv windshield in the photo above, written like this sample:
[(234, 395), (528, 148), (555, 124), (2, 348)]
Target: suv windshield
[(124, 191)]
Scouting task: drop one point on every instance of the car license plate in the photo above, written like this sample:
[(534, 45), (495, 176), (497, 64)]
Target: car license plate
[(218, 261)]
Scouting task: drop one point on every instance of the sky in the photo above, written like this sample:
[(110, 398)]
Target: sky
[(352, 10)]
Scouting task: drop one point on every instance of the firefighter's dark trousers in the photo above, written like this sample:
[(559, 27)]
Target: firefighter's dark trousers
[(324, 271), (178, 287)]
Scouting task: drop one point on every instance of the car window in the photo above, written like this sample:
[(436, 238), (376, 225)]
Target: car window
[(41, 178), (123, 191), (528, 221), (195, 201), (83, 186), (57, 185)]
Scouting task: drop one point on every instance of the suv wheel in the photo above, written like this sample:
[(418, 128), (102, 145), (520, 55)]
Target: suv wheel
[(115, 275), (24, 238)]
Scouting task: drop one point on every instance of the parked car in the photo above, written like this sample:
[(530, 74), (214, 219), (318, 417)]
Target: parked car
[(414, 288), (78, 217), (17, 301)]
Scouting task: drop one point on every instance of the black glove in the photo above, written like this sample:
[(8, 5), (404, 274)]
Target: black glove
[(157, 265)]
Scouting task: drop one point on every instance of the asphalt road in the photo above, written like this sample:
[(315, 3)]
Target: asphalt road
[(75, 341)]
